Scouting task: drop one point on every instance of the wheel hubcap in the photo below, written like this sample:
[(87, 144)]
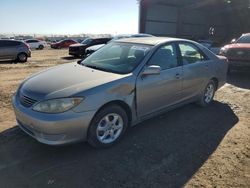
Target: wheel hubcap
[(22, 57), (109, 128), (209, 93)]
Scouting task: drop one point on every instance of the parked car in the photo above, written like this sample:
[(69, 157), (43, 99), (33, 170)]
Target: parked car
[(238, 53), (211, 45), (36, 44), (94, 48), (120, 85), (14, 50), (78, 50), (63, 44), (141, 35)]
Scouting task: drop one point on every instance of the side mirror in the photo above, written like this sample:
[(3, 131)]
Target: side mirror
[(151, 70), (233, 41)]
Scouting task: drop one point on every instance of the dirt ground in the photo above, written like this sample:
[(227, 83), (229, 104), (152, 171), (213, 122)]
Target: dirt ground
[(187, 147)]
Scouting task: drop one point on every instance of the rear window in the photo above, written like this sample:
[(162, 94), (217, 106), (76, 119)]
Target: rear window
[(9, 43)]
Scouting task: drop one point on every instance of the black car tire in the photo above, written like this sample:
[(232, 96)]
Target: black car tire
[(41, 47), (92, 137), (22, 57)]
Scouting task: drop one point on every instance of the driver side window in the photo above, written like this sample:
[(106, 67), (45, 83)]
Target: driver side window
[(165, 57)]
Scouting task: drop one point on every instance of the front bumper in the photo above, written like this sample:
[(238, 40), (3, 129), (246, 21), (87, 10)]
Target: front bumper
[(53, 129), (74, 51), (29, 53)]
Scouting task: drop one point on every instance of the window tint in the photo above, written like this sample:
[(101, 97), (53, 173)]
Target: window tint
[(190, 54), (165, 57), (1, 43), (33, 41), (10, 43), (244, 39), (87, 41)]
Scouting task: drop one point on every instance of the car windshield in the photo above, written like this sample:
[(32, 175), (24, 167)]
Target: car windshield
[(86, 41), (120, 58), (244, 39), (62, 41)]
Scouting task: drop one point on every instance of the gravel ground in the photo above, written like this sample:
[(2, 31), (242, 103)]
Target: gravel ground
[(187, 147)]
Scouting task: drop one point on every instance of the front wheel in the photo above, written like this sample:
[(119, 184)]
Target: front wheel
[(107, 127), (208, 94)]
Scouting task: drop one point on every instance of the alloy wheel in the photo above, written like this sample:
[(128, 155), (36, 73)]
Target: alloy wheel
[(209, 93), (109, 128)]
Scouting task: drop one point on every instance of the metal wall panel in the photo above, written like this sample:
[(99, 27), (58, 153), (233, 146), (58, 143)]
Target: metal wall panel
[(159, 28), (162, 13), (161, 20), (193, 18)]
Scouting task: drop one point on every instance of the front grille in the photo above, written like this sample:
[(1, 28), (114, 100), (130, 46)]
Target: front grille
[(238, 53), (26, 101), (73, 49)]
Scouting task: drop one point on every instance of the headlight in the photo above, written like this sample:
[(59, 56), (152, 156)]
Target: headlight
[(223, 51), (57, 105)]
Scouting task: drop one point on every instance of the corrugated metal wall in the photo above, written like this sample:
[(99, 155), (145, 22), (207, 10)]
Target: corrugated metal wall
[(166, 19), (162, 20)]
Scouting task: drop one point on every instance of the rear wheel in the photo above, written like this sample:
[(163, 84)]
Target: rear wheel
[(208, 94), (40, 47), (22, 57), (107, 127)]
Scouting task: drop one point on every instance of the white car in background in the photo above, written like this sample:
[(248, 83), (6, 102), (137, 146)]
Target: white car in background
[(36, 44)]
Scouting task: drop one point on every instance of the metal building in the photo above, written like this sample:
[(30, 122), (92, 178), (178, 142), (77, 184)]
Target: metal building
[(197, 19)]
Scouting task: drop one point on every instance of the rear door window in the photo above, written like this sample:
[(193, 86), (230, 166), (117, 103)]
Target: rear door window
[(31, 41), (190, 54)]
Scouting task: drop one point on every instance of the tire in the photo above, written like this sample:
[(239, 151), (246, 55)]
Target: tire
[(208, 94), (22, 57), (40, 47), (105, 131)]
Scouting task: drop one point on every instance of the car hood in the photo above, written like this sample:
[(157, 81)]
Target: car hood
[(238, 45), (77, 45), (64, 81)]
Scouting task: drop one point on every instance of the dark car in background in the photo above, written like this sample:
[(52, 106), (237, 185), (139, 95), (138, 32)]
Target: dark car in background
[(63, 44), (238, 53), (14, 50), (78, 50), (211, 45), (94, 48)]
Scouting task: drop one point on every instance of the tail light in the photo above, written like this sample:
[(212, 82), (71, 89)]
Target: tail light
[(26, 45)]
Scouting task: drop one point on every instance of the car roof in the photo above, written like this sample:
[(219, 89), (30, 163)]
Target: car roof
[(10, 40), (153, 41)]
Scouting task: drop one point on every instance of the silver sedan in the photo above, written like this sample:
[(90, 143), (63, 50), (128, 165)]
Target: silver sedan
[(120, 85)]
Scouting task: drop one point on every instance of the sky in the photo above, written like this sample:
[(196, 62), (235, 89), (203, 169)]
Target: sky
[(68, 16)]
